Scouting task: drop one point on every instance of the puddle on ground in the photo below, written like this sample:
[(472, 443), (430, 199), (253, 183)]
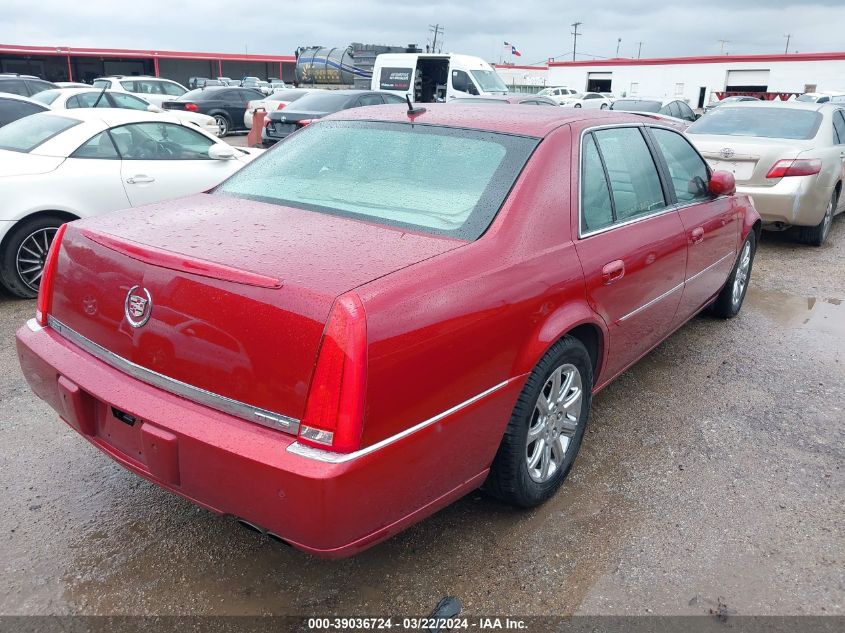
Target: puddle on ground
[(792, 311)]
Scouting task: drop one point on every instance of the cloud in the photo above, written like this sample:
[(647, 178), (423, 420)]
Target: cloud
[(540, 29)]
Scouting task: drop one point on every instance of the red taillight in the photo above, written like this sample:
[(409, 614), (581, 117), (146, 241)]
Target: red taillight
[(191, 107), (797, 167), (305, 122), (281, 105), (334, 411), (45, 289)]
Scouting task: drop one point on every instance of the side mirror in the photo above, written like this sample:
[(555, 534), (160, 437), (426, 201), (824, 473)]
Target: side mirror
[(697, 116), (154, 108), (221, 151), (722, 183)]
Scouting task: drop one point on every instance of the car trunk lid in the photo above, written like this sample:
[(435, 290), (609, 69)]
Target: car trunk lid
[(749, 159), (239, 290)]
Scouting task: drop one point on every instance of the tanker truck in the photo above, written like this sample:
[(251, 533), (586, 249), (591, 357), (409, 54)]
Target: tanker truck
[(341, 67)]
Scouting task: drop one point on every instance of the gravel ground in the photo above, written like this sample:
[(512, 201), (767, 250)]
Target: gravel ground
[(710, 478)]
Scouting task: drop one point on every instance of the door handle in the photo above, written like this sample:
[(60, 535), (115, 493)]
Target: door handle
[(613, 271), (139, 179), (697, 235)]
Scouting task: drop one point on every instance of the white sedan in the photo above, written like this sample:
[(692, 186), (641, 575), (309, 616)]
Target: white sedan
[(72, 98), (63, 165), (594, 100), (273, 102)]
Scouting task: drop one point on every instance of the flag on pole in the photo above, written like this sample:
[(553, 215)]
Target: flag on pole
[(514, 49)]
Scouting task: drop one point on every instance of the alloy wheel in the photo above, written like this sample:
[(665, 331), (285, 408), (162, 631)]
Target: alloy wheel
[(222, 126), (741, 277), (553, 423), (32, 254), (827, 221)]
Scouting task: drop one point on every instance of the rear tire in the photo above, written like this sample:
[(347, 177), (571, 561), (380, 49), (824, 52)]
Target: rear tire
[(603, 106), (816, 235), (224, 126), (24, 252), (538, 448), (729, 301)]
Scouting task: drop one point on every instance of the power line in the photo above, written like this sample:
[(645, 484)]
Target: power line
[(436, 29), (787, 36)]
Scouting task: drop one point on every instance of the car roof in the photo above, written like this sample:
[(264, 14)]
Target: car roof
[(789, 105), (526, 121), (9, 95), (111, 116)]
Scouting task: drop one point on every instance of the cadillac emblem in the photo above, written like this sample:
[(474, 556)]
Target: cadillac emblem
[(138, 306), (727, 152)]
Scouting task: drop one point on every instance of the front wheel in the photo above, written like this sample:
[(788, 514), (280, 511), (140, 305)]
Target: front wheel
[(546, 427), (223, 125), (577, 105), (24, 254), (604, 106), (729, 301)]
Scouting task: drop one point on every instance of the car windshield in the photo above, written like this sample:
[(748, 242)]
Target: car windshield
[(439, 180), (25, 134), (636, 105), (322, 101), (46, 96), (489, 81), (765, 122)]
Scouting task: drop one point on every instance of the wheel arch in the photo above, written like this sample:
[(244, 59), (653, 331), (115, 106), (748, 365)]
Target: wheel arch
[(572, 319), (66, 216)]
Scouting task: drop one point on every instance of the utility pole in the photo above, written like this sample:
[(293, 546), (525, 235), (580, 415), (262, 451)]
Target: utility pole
[(722, 43), (640, 49), (787, 36), (618, 42), (575, 26), (437, 30)]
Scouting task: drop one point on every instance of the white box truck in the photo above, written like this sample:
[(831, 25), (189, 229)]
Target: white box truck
[(433, 77)]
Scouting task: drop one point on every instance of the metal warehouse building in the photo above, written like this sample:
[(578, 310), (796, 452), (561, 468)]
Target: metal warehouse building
[(697, 80), (63, 63)]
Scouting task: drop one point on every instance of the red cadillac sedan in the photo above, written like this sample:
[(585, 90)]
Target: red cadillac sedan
[(387, 311)]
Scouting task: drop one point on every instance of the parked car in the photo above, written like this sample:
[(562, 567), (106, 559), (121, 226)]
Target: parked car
[(514, 98), (62, 165), (250, 82), (276, 101), (731, 99), (278, 85), (315, 106), (154, 89), (558, 93), (204, 82), (264, 87), (71, 84), (14, 107), (226, 104), (227, 81), (822, 97), (594, 100), (421, 306), (71, 98), (667, 107), (790, 156), (23, 85)]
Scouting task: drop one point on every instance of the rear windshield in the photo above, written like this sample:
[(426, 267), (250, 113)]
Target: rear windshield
[(46, 96), (636, 105), (25, 134), (202, 94), (764, 121), (287, 95), (322, 101), (438, 180)]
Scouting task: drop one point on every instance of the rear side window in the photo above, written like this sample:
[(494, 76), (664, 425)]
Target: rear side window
[(596, 208), (87, 100), (366, 100), (838, 128), (14, 86), (760, 121), (632, 174), (172, 89), (24, 135), (100, 146), (36, 86), (12, 110), (161, 141), (439, 180), (686, 168)]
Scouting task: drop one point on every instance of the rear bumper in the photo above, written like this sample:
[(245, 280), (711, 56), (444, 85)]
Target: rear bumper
[(796, 200), (242, 469)]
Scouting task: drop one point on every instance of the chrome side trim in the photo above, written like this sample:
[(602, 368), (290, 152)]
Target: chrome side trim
[(652, 302), (713, 265), (242, 410), (330, 457)]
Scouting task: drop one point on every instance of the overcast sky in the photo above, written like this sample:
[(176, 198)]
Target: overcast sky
[(540, 29)]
